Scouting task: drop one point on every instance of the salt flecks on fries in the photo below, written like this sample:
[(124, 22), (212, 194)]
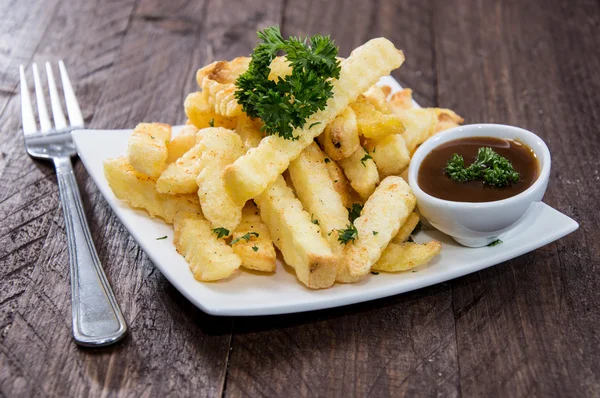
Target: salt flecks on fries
[(219, 181)]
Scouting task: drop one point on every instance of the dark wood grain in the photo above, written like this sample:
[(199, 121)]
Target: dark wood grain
[(160, 47), (528, 322), (523, 328)]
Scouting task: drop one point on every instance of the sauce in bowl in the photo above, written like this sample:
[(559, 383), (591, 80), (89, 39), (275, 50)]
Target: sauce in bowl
[(433, 180)]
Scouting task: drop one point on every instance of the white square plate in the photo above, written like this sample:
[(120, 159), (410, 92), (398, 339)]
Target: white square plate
[(253, 294)]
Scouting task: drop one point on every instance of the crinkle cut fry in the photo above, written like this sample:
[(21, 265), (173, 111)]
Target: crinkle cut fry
[(251, 174), (298, 239)]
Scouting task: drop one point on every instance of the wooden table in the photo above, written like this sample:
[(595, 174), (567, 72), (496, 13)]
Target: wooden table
[(525, 327)]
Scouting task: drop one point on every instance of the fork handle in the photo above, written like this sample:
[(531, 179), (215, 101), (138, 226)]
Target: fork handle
[(97, 319)]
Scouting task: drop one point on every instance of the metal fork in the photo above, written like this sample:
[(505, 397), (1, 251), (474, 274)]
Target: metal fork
[(97, 319)]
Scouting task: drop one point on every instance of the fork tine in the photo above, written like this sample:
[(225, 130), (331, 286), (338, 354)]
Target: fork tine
[(27, 117), (41, 102), (57, 111), (72, 106)]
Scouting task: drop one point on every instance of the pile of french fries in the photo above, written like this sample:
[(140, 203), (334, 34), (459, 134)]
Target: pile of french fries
[(233, 195)]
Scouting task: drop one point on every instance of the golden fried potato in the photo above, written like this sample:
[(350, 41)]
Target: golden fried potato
[(361, 172), (419, 123), (401, 100), (219, 147), (382, 215), (210, 258), (404, 256), (386, 90), (377, 96), (182, 142), (315, 190), (447, 119), (249, 131), (202, 114), (252, 242), (407, 228), (298, 239), (280, 67), (390, 154), (340, 183), (180, 177), (254, 172), (340, 138), (223, 71), (139, 191), (372, 122), (220, 97), (147, 149)]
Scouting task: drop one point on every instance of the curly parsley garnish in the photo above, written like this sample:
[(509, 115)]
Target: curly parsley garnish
[(211, 123), (354, 211), (221, 232), (246, 237), (490, 167), (287, 103), (348, 234)]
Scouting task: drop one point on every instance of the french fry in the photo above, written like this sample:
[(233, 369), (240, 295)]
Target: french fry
[(407, 228), (280, 67), (202, 115), (218, 147), (254, 245), (147, 148), (390, 154), (372, 122), (252, 173), (382, 215), (401, 100), (182, 142), (419, 124), (341, 184), (315, 190), (249, 132), (180, 177), (298, 239), (361, 172), (404, 256), (386, 90), (223, 71), (340, 138), (210, 258), (377, 96), (139, 191), (447, 119), (220, 97)]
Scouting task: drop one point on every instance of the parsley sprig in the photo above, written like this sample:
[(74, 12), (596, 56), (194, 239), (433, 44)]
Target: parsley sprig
[(350, 233), (287, 103), (221, 232), (365, 158), (490, 167), (354, 211), (245, 237)]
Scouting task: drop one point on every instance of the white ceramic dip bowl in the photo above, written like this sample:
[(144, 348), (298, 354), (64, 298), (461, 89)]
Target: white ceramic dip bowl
[(480, 223)]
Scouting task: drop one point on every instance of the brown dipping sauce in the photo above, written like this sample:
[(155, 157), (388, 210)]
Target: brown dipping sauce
[(435, 182)]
